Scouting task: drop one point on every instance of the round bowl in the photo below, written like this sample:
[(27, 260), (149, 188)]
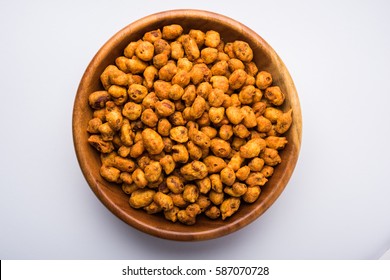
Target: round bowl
[(113, 197)]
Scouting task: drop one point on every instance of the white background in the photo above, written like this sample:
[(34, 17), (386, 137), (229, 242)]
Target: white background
[(337, 203)]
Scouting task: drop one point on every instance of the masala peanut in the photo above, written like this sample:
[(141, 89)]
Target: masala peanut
[(187, 124)]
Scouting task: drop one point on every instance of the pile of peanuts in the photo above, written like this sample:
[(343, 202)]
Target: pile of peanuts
[(187, 124)]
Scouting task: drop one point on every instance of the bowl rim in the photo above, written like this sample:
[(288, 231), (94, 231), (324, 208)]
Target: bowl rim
[(96, 185)]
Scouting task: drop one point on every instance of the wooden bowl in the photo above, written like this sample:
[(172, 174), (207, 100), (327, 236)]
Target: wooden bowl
[(113, 197)]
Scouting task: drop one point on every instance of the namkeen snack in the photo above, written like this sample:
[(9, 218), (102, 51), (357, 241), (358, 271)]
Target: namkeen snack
[(186, 124)]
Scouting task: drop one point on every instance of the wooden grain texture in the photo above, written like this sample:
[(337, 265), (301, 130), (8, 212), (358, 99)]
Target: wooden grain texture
[(112, 196)]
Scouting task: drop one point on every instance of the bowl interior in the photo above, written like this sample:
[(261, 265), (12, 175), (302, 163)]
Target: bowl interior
[(112, 196)]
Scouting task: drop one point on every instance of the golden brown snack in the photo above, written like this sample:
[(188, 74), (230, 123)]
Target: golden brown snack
[(168, 164), (190, 193), (216, 114), (162, 46), (270, 156), (237, 79), (190, 47), (228, 176), (225, 132), (194, 151), (272, 114), (220, 82), (275, 142), (256, 179), (141, 198), (284, 122), (101, 145), (180, 153), (152, 141), (204, 185), (229, 207), (212, 39), (252, 148), (242, 51), (267, 171), (216, 183), (216, 197), (220, 147), (214, 164), (263, 124), (252, 194), (188, 216), (213, 212), (175, 184), (274, 95), (145, 51), (153, 171), (203, 202), (111, 174), (243, 173), (178, 200), (194, 170), (236, 190), (152, 36), (129, 188), (256, 164), (199, 138), (153, 208), (163, 200), (171, 214), (211, 132), (172, 31), (263, 80)]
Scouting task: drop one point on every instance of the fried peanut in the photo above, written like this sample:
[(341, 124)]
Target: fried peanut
[(284, 122), (194, 170), (242, 51), (256, 164), (213, 212), (220, 147), (175, 184), (111, 174), (274, 95), (270, 156), (190, 48), (216, 197), (229, 207), (179, 134), (237, 79), (234, 114), (190, 193), (172, 31), (152, 141), (163, 200), (214, 164), (242, 173), (236, 190), (252, 194), (145, 51), (263, 80), (180, 153), (252, 148), (228, 176), (153, 171), (198, 107), (256, 179), (204, 185), (141, 198), (275, 142)]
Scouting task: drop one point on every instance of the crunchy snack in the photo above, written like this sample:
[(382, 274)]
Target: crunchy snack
[(188, 125)]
